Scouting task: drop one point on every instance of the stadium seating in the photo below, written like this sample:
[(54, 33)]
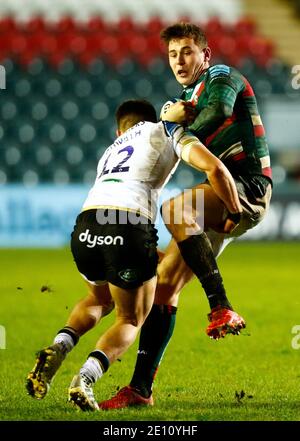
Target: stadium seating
[(67, 73), (113, 11)]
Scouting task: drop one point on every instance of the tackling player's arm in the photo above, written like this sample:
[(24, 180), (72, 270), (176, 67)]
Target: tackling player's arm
[(198, 156)]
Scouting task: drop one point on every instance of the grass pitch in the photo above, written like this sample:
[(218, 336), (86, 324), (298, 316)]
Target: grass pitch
[(252, 377)]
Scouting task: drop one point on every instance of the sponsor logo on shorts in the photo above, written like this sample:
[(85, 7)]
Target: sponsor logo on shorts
[(93, 240), (128, 275)]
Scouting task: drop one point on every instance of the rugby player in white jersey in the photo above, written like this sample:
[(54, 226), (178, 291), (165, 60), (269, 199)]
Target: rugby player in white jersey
[(114, 242)]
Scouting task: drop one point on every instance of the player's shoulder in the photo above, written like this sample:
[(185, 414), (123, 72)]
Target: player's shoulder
[(160, 132), (219, 70), (154, 129), (170, 128), (222, 70), (165, 132)]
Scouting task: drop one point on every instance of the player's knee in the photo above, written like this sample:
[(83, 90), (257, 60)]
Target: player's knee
[(134, 319), (167, 282), (165, 279), (172, 277), (166, 295)]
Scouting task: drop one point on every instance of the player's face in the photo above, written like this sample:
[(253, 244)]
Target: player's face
[(187, 60)]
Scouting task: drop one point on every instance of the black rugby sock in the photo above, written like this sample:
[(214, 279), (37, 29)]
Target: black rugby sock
[(198, 255)]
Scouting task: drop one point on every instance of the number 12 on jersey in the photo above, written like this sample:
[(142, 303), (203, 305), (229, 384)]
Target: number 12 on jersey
[(115, 163)]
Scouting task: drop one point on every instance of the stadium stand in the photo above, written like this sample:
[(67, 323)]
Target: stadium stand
[(68, 68)]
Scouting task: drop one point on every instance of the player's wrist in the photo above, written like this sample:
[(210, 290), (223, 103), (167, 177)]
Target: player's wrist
[(235, 217)]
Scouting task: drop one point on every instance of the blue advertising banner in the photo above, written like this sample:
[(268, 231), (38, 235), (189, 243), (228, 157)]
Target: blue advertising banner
[(44, 216), (41, 216)]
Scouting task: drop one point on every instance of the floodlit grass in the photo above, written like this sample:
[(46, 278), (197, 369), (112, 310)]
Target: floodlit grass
[(252, 377)]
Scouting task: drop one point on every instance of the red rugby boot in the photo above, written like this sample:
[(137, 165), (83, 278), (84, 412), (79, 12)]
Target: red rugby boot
[(224, 321), (126, 397)]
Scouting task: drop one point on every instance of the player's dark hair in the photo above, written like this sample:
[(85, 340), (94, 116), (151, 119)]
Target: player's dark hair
[(184, 30), (131, 112)]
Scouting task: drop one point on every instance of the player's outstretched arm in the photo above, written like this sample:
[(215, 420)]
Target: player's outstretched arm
[(221, 180)]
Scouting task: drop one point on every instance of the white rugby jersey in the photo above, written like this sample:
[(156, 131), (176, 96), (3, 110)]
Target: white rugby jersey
[(135, 168)]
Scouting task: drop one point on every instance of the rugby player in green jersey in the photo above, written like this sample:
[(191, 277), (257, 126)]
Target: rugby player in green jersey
[(219, 106)]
